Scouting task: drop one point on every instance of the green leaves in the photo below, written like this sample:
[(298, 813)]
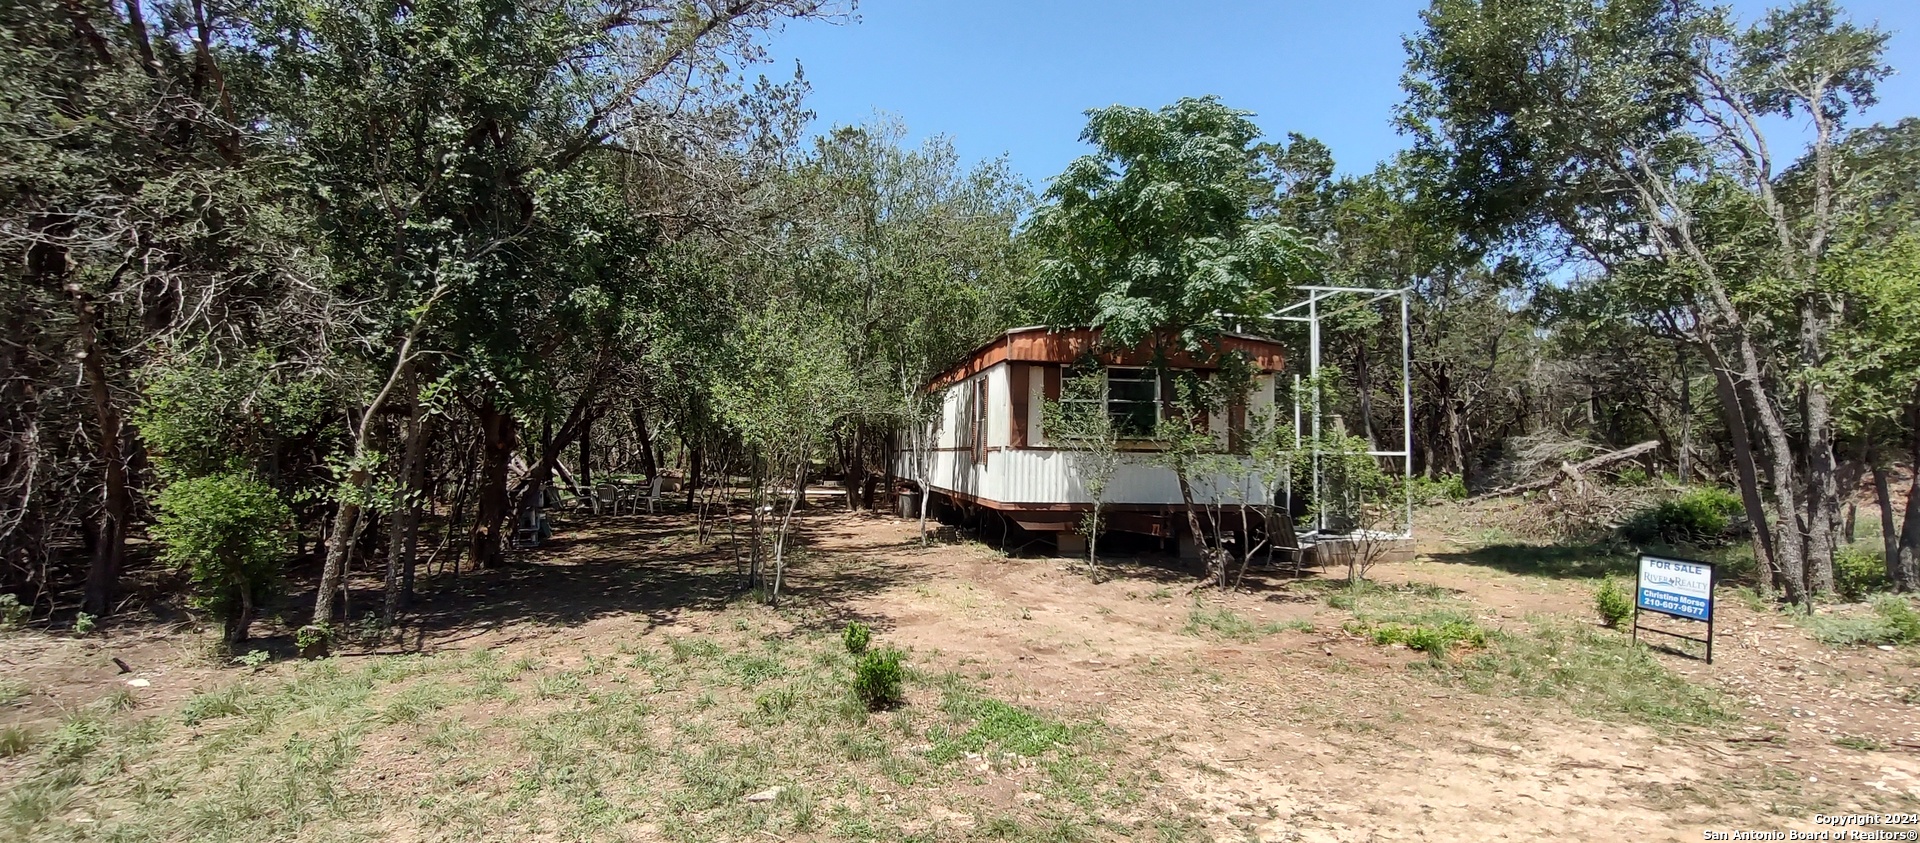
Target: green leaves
[(1156, 231), (229, 532)]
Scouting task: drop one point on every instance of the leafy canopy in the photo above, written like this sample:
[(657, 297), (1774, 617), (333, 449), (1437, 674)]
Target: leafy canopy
[(1157, 230)]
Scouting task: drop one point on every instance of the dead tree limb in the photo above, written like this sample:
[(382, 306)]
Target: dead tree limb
[(1578, 472)]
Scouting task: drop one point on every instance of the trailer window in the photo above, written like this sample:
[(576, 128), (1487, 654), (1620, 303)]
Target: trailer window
[(1133, 401)]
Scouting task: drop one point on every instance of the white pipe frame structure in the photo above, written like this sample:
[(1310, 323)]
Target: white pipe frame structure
[(1315, 295)]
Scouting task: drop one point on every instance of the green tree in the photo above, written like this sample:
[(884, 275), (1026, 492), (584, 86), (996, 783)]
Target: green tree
[(1633, 126), (1079, 422)]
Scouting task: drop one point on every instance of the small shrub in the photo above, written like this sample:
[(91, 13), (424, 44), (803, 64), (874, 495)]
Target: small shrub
[(1446, 487), (1858, 572), (83, 624), (253, 658), (1703, 515), (1613, 604), (1634, 475), (877, 679), (13, 613), (229, 532), (312, 639), (857, 636)]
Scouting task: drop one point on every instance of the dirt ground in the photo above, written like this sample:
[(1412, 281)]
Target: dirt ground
[(1304, 730)]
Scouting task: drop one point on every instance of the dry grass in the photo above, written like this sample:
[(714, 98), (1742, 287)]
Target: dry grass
[(658, 737)]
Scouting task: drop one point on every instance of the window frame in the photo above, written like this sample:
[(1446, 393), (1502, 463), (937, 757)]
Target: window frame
[(1121, 422)]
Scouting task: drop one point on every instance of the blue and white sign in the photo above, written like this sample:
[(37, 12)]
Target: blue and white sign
[(1676, 587)]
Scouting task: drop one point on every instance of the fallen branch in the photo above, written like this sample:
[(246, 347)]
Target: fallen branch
[(1577, 472)]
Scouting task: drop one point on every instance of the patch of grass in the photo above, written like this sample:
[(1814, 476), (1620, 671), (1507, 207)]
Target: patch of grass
[(1892, 621), (1434, 635), (12, 689), (15, 740), (209, 705), (692, 649), (998, 726), (1597, 673), (278, 755), (78, 736), (1223, 622), (1860, 743)]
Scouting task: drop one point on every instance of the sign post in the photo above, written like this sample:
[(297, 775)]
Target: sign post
[(1677, 588)]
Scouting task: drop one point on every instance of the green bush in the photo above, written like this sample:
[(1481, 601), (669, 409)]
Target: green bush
[(1858, 572), (1613, 603), (857, 636), (1702, 515), (1900, 618), (877, 679), (228, 531), (1446, 487), (12, 612)]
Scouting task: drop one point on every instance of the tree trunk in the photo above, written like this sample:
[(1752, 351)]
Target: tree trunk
[(586, 455), (1789, 545), (1889, 538), (496, 448), (401, 528), (1216, 568), (1684, 459), (339, 543), (1734, 417), (1363, 376), (1906, 575), (109, 552), (647, 462), (697, 459)]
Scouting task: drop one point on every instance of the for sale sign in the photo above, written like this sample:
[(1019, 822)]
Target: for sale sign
[(1676, 587)]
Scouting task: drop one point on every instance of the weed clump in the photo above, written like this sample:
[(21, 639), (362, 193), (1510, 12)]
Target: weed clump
[(857, 636), (877, 679), (1612, 604), (1433, 639), (1893, 621)]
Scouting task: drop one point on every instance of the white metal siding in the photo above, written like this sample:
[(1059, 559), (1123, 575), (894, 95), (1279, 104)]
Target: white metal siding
[(1039, 476)]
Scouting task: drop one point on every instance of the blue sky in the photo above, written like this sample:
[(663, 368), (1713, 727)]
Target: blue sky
[(1013, 78)]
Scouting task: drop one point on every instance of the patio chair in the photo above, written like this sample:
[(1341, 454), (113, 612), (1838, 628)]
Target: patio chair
[(652, 494), (606, 496)]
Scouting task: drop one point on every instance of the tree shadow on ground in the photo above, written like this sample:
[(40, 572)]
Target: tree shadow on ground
[(650, 566), (1557, 561)]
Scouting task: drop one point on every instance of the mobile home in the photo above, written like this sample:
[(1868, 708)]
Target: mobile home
[(989, 450)]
